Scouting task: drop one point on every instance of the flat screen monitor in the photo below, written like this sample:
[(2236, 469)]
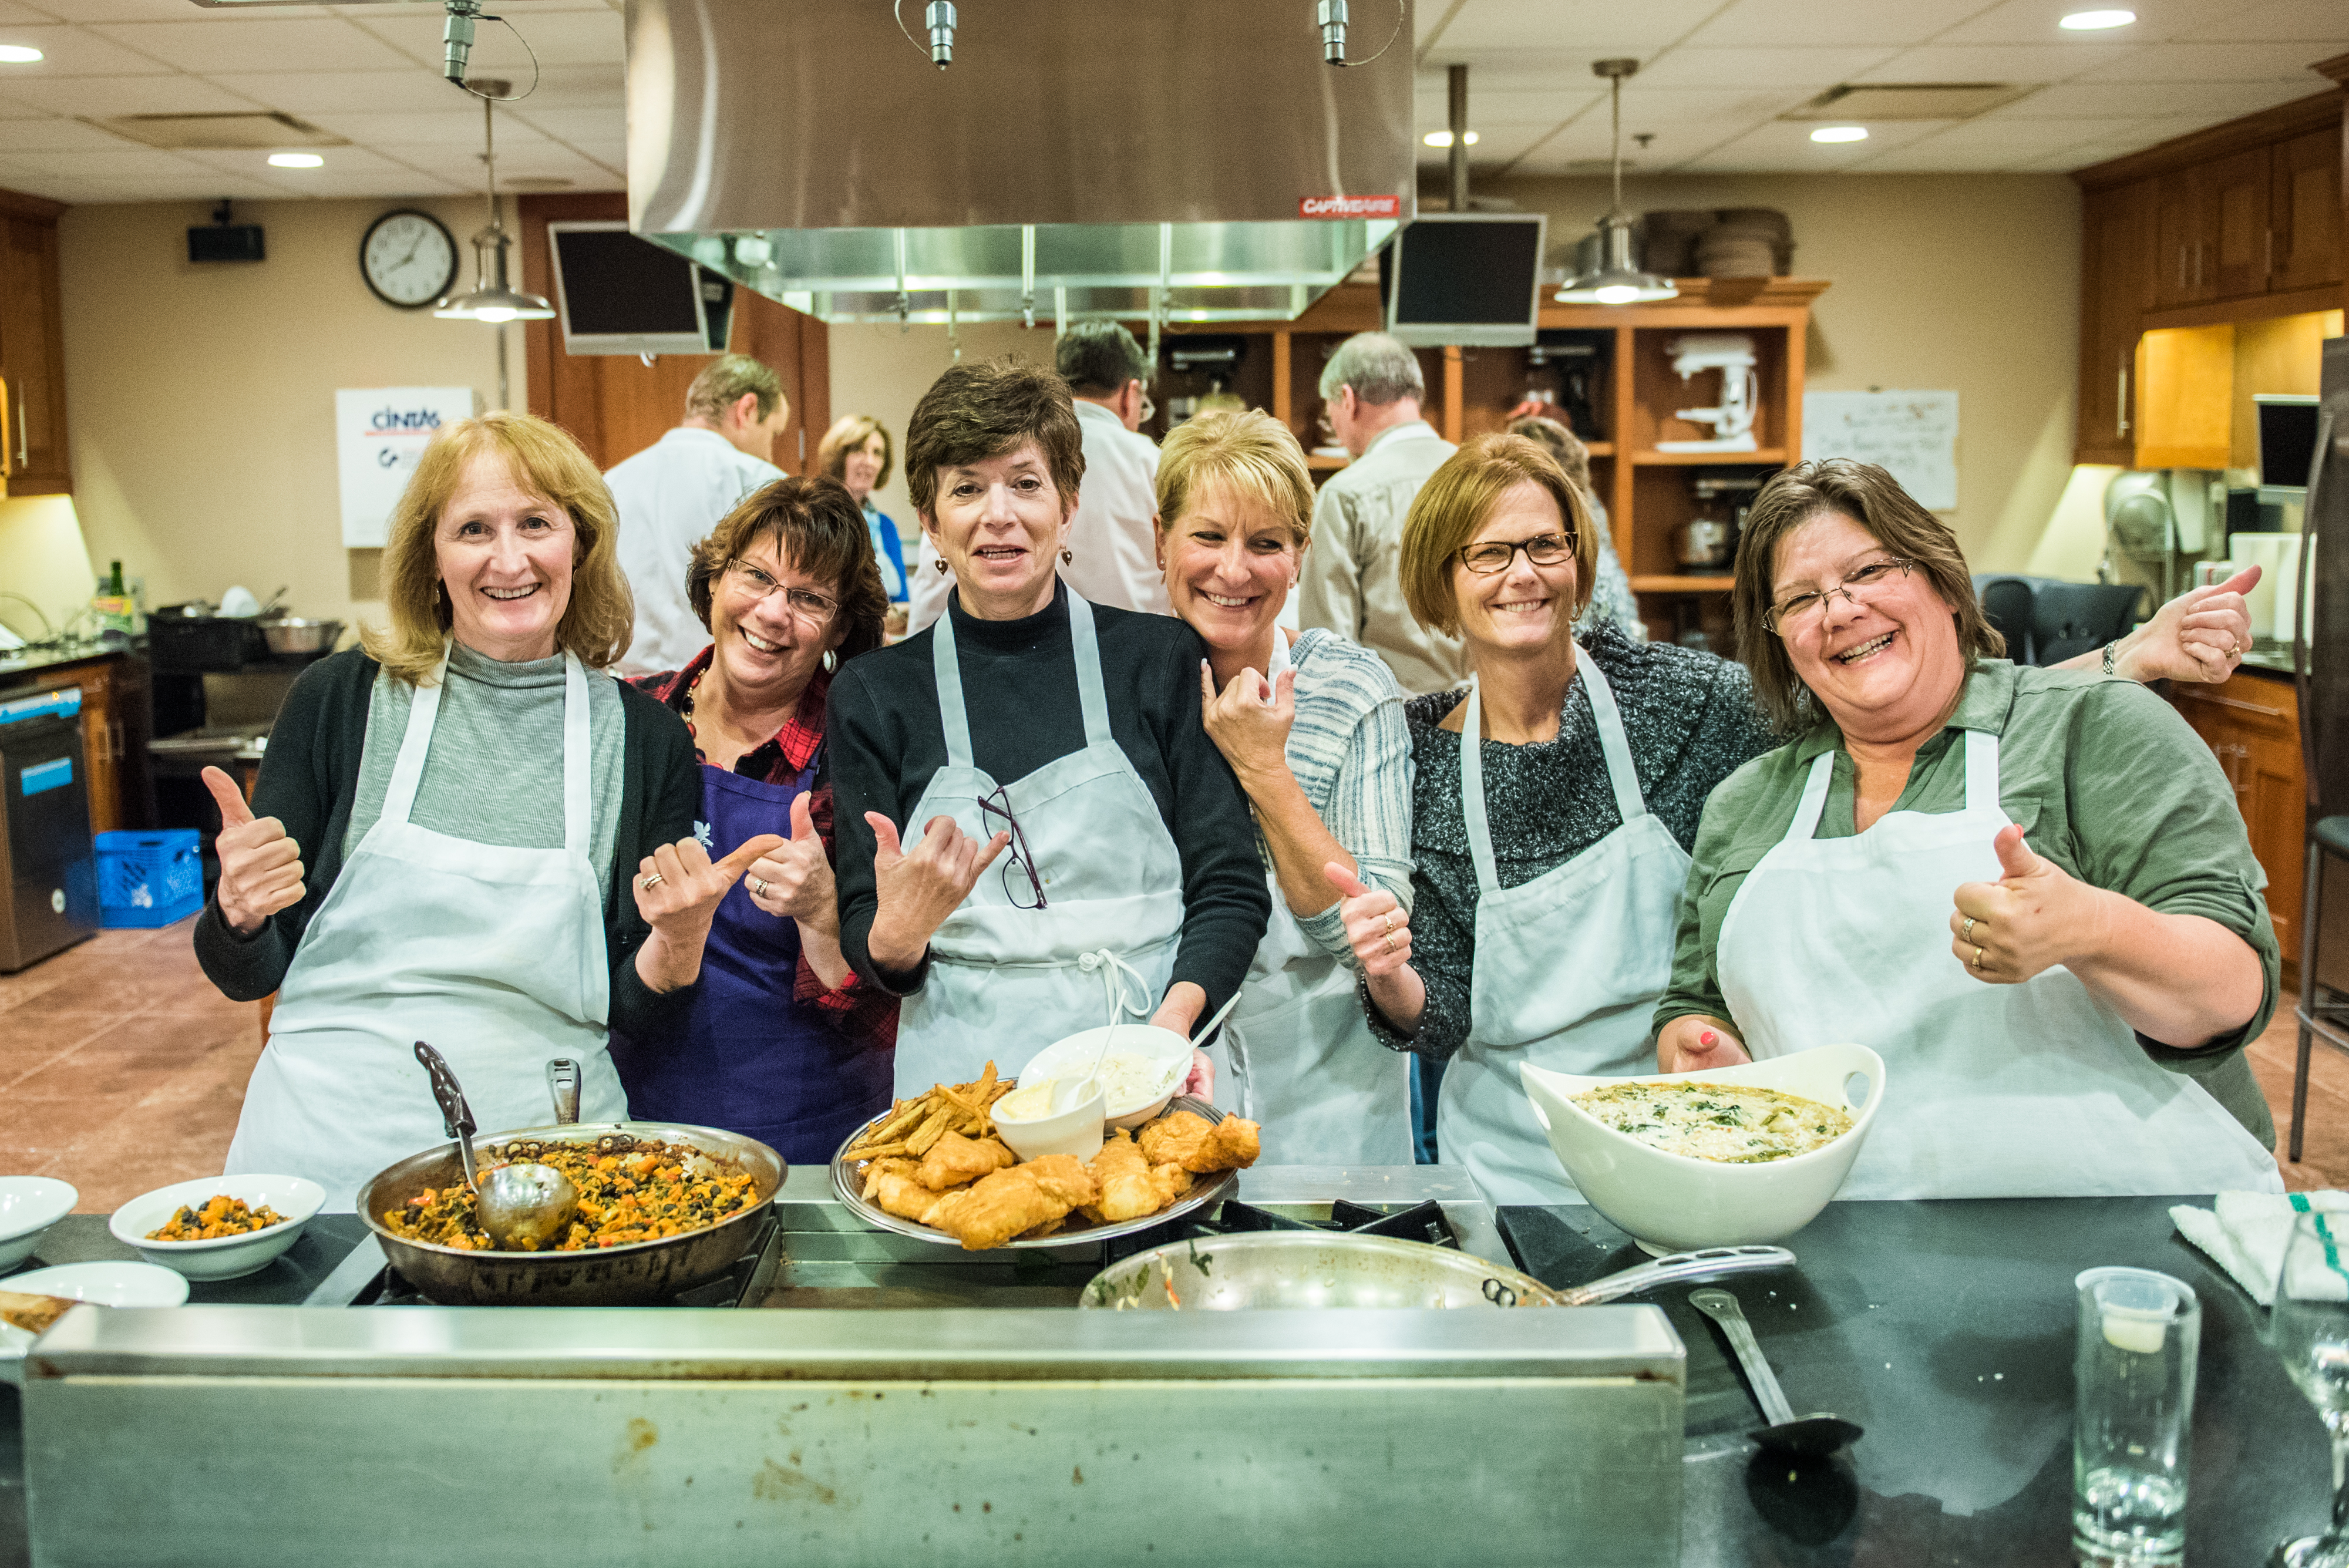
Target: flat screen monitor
[(1469, 278), (2287, 443), (621, 295)]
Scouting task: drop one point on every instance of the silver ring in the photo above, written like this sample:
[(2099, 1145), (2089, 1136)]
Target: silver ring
[(650, 880), (1966, 932), (758, 886)]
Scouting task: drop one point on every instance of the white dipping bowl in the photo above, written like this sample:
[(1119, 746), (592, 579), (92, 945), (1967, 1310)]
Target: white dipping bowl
[(116, 1284), (231, 1257), (29, 1205), (1079, 1130), (1071, 1057), (1676, 1202)]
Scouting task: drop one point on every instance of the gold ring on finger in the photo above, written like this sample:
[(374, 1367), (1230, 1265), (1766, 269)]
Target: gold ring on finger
[(650, 880), (1388, 926), (1388, 945), (1978, 955), (758, 886)]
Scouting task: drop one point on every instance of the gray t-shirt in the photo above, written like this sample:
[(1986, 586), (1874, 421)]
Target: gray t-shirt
[(494, 773)]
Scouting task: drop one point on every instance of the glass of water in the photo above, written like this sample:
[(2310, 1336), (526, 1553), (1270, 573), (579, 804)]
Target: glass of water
[(2139, 1333), (2310, 1328)]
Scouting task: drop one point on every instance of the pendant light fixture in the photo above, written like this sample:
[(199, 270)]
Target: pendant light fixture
[(493, 300), (1616, 279)]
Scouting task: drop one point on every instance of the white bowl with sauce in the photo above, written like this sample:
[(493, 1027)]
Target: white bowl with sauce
[(1676, 1202), (1041, 1117), (1164, 1054)]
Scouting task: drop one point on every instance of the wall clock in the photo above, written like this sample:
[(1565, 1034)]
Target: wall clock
[(409, 258)]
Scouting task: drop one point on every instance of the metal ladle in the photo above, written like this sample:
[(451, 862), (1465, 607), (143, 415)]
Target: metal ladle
[(525, 1205), (1813, 1436)]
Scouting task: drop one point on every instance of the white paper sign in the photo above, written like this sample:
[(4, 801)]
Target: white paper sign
[(1913, 434), (379, 432)]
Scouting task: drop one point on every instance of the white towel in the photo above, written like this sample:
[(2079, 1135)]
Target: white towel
[(2247, 1235)]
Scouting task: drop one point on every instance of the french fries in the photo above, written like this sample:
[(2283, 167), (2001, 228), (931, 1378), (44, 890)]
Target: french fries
[(915, 1125)]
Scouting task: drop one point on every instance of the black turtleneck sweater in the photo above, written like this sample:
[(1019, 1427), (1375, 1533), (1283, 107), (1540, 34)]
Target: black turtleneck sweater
[(884, 741)]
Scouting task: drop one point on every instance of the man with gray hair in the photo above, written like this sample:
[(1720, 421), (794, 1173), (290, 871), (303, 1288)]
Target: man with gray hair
[(673, 493), (1371, 394)]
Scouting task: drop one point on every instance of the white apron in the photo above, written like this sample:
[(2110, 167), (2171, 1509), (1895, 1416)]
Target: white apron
[(1568, 969), (1297, 1055), (2036, 1090), (1005, 982), (492, 954)]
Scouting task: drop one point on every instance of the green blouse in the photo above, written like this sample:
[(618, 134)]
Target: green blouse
[(2105, 780)]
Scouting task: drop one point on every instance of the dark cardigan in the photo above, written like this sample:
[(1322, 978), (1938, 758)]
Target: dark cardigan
[(309, 781)]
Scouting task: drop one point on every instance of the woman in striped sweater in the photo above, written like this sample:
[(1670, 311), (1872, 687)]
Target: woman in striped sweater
[(1313, 726)]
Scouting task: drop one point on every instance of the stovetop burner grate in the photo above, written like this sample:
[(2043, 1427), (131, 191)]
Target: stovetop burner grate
[(1424, 1221)]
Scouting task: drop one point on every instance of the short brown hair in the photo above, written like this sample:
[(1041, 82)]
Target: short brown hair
[(1249, 451), (725, 379), (1872, 498), (976, 411), (847, 433), (821, 531), (600, 618), (1453, 504)]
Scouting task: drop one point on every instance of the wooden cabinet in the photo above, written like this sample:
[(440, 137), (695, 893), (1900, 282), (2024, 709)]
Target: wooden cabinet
[(2304, 211), (32, 348), (2116, 290), (2232, 194), (2252, 723)]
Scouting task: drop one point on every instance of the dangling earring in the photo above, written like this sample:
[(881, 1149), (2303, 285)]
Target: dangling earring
[(1067, 556), (939, 562), (831, 659)]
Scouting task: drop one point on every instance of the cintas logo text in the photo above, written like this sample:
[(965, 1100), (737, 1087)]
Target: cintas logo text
[(391, 421)]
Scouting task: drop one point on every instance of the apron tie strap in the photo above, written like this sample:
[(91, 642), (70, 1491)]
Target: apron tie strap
[(1114, 989)]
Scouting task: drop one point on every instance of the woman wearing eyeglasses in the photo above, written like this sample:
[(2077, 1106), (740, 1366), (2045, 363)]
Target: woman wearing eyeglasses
[(1037, 835), (1550, 856), (2030, 889), (784, 1043)]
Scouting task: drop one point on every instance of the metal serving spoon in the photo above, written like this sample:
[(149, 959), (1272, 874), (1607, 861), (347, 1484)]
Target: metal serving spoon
[(1813, 1436), (525, 1205)]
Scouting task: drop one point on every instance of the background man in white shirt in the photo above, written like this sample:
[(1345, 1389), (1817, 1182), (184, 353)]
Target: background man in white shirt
[(1111, 535), (1370, 391), (674, 492)]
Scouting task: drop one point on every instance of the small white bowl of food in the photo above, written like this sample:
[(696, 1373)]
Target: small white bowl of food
[(218, 1227), (1723, 1158), (1052, 1115), (1141, 1065), (29, 1205)]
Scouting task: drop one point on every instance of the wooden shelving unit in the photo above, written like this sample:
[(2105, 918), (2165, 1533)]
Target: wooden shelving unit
[(1647, 492)]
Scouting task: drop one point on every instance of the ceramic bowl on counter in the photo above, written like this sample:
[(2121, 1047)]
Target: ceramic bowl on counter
[(29, 1205), (1068, 1118), (229, 1257), (115, 1284), (1167, 1057), (1674, 1202)]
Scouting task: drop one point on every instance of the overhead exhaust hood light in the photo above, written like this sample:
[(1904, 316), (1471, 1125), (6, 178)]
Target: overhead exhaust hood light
[(1616, 279)]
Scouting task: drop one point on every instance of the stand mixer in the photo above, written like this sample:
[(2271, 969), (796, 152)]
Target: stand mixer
[(1731, 353)]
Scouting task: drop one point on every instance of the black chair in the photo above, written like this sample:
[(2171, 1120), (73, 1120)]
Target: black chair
[(2329, 837), (2006, 605), (2046, 620)]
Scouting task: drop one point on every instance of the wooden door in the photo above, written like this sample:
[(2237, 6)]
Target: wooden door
[(32, 352), (101, 775), (2235, 197), (2253, 724), (2177, 237), (2304, 212), (2116, 289)]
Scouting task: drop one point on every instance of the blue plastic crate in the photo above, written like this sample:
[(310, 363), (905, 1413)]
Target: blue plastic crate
[(147, 879)]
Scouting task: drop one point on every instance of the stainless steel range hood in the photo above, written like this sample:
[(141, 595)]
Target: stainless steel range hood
[(1185, 161)]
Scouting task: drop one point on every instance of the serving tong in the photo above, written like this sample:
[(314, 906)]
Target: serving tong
[(523, 1205)]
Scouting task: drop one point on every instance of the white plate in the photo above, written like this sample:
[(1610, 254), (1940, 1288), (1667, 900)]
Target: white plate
[(108, 1284), (231, 1257), (29, 1205)]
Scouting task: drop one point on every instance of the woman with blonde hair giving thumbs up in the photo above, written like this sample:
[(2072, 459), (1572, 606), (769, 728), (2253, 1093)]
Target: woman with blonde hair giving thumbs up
[(784, 1043), (460, 835)]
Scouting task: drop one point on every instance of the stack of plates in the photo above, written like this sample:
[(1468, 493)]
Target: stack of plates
[(1748, 242), (1670, 237)]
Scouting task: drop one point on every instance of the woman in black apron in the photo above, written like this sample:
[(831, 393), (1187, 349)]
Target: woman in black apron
[(785, 1044)]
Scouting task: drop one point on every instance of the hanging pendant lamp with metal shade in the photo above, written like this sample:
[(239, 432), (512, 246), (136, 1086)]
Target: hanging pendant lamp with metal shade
[(493, 300), (1616, 279)]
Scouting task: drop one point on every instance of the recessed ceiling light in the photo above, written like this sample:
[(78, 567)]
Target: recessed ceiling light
[(1840, 133), (18, 53), (295, 160), (2093, 21), (1443, 139)]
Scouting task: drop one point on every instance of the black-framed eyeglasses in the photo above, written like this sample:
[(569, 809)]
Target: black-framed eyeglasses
[(991, 806), (805, 603), (1493, 557), (1798, 610)]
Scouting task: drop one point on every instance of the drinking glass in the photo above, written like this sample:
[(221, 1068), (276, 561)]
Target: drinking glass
[(2133, 1370), (2310, 1328)]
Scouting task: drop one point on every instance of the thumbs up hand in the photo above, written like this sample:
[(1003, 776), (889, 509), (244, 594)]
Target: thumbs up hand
[(1377, 927), (793, 880), (685, 885), (261, 867), (2034, 917)]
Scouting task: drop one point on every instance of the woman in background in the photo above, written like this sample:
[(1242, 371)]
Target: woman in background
[(856, 452)]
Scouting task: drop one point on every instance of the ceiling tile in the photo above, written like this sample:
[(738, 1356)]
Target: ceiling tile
[(2034, 22), (1821, 68), (558, 37), (105, 97), (1434, 112), (173, 11), (1784, 148), (459, 127), (575, 86), (1768, 23), (74, 52), (407, 90), (2218, 63), (123, 160), (54, 133), (572, 125), (2017, 63), (1593, 28), (15, 16), (2212, 102), (204, 47), (2268, 20)]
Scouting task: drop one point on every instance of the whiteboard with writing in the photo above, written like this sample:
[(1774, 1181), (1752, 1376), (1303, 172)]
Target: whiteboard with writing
[(379, 432), (1913, 434)]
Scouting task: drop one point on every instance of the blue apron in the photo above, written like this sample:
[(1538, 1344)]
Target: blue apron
[(751, 1059)]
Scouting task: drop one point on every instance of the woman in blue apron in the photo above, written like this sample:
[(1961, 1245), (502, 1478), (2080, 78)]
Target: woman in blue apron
[(856, 452), (1038, 837), (784, 1043)]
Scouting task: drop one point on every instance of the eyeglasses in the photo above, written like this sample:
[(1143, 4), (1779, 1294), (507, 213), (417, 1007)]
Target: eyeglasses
[(1799, 612), (805, 603), (1493, 557), (991, 806)]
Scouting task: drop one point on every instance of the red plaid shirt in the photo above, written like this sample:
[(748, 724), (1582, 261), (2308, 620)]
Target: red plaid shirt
[(858, 1011)]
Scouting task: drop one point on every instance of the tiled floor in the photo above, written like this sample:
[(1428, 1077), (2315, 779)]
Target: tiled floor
[(122, 1069)]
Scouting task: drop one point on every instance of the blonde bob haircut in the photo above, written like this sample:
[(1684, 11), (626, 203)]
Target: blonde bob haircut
[(542, 458), (1454, 504), (847, 433), (1248, 453)]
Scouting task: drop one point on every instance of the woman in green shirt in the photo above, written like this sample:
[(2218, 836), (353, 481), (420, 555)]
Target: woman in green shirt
[(2030, 889)]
